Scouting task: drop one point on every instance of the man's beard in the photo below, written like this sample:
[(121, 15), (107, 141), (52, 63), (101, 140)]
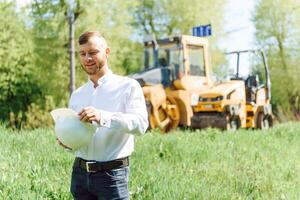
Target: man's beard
[(92, 71)]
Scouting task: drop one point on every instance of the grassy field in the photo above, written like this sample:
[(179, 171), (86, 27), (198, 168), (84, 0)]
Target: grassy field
[(185, 164)]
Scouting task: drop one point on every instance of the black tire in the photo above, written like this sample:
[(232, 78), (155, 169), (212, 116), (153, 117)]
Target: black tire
[(233, 123), (263, 121)]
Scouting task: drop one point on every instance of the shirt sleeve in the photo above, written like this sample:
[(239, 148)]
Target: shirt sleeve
[(135, 118)]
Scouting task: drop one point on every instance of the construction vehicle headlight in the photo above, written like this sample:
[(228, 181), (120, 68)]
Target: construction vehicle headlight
[(203, 99), (218, 98)]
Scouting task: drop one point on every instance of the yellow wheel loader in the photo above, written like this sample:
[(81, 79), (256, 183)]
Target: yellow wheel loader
[(243, 101), (176, 71)]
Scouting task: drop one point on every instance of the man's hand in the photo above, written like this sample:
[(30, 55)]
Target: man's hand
[(89, 114), (61, 144)]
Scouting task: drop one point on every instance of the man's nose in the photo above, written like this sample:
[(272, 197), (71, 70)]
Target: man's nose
[(88, 57)]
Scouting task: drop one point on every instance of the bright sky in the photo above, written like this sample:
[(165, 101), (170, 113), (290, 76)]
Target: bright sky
[(23, 2), (238, 25)]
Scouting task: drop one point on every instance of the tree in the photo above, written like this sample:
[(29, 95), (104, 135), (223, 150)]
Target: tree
[(277, 30), (50, 27), (18, 86), (114, 21), (50, 37), (163, 18)]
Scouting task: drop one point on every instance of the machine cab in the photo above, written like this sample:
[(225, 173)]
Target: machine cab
[(180, 62), (251, 67)]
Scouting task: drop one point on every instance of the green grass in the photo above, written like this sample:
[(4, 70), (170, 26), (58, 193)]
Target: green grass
[(185, 164)]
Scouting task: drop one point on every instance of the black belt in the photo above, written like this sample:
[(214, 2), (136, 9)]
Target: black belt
[(94, 166)]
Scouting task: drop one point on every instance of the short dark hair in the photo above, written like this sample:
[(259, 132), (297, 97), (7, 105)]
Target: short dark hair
[(84, 37)]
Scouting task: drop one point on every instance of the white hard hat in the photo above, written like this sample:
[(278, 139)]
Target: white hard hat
[(70, 130)]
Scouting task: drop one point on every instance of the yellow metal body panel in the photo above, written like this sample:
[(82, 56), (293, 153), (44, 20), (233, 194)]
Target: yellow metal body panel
[(191, 83), (232, 94), (250, 123), (209, 107)]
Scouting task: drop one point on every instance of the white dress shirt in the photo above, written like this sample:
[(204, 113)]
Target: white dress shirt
[(121, 105)]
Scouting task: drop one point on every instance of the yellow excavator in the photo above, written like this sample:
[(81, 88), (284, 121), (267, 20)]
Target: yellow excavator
[(243, 101), (176, 71)]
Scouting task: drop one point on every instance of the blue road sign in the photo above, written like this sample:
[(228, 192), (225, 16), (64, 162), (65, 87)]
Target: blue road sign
[(202, 31)]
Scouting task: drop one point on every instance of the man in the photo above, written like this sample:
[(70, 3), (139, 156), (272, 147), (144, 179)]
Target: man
[(114, 104)]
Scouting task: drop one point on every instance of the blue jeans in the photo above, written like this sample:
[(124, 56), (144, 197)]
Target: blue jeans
[(108, 184)]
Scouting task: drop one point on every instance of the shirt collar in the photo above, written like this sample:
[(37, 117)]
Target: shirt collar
[(103, 79)]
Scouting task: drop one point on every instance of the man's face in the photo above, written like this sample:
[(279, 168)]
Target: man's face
[(93, 55)]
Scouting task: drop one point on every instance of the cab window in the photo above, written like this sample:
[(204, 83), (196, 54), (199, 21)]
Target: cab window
[(196, 60)]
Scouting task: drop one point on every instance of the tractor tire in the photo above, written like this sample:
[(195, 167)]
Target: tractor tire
[(233, 123), (263, 121)]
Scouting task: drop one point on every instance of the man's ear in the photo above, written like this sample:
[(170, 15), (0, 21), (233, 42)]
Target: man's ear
[(107, 51)]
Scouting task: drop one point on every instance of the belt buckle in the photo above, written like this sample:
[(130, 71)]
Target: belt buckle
[(87, 166)]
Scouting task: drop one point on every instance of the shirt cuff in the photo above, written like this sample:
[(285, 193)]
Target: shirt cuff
[(105, 119)]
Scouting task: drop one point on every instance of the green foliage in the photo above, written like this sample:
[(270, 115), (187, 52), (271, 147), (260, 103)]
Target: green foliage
[(37, 115), (277, 30), (165, 18), (18, 83), (50, 37), (207, 164)]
